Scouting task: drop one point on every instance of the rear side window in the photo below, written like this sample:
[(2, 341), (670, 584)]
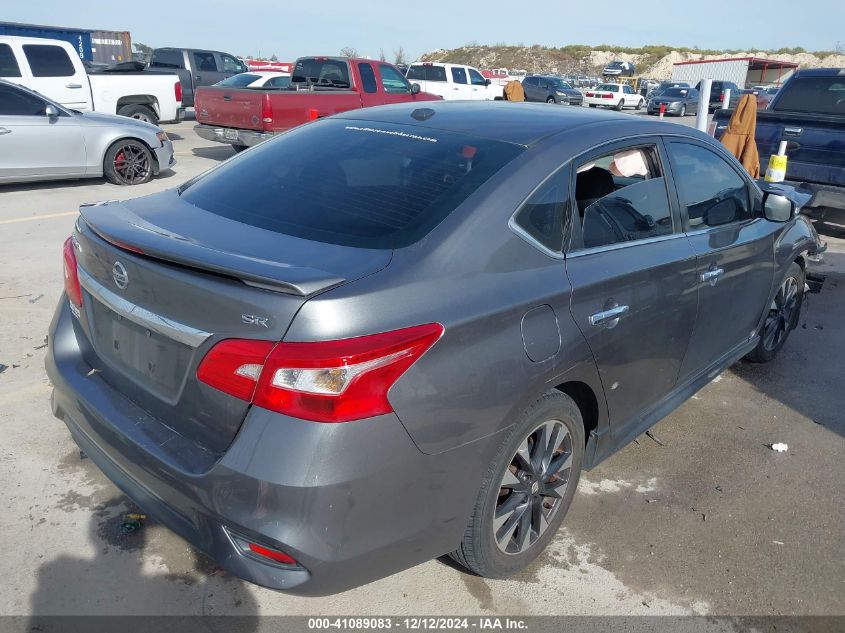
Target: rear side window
[(622, 197), (14, 102), (355, 183), (542, 215), (48, 61), (532, 81), (204, 62), (422, 72), (330, 73), (368, 78), (822, 95), (8, 63), (167, 59), (710, 189), (278, 82), (459, 75)]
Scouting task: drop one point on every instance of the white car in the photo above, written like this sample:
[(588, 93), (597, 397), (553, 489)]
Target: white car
[(615, 96), (54, 69), (453, 82), (257, 79)]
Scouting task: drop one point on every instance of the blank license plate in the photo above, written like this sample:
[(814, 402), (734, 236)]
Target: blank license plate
[(230, 135)]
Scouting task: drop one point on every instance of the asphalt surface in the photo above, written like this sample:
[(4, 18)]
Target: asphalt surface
[(711, 521)]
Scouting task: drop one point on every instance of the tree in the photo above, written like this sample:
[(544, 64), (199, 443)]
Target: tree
[(381, 56), (144, 50), (349, 51), (399, 56), (273, 58)]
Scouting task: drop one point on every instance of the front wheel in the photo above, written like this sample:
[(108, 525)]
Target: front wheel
[(527, 489), (139, 112), (781, 317), (128, 162), (683, 110)]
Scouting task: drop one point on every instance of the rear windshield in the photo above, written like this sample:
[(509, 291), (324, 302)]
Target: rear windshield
[(331, 73), (609, 87), (238, 81), (820, 95), (354, 183)]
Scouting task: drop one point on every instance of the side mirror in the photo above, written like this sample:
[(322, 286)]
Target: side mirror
[(487, 82), (777, 208), (50, 111), (415, 89)]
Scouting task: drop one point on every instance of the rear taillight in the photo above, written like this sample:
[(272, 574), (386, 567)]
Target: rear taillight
[(177, 91), (266, 109), (72, 287), (607, 96), (328, 381), (590, 94)]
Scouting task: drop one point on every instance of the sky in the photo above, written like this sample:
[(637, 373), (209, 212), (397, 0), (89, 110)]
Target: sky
[(294, 29)]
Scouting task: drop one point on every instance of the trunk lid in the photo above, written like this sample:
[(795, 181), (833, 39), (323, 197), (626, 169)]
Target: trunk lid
[(240, 108), (155, 301)]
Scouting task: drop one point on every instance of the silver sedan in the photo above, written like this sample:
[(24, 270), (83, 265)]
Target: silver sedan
[(41, 140)]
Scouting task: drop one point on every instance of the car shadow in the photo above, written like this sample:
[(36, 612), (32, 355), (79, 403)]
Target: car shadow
[(806, 374), (117, 581), (218, 153), (50, 185)]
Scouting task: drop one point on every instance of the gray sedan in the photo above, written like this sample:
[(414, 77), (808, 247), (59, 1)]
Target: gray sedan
[(41, 140), (402, 332), (678, 101)]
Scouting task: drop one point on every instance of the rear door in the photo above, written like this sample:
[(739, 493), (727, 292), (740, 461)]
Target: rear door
[(633, 275), (459, 83), (35, 145), (734, 250), (531, 87), (54, 74), (431, 78)]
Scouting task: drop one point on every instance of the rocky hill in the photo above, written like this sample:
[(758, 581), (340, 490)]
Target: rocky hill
[(651, 61)]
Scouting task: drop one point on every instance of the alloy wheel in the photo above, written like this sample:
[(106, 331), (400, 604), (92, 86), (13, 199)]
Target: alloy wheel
[(140, 116), (781, 314), (532, 487), (132, 164)]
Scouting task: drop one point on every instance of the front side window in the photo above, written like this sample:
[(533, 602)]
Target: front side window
[(459, 75), (393, 81), (542, 215), (230, 64), (48, 61), (368, 78), (475, 78), (622, 197), (712, 192), (14, 102), (8, 63)]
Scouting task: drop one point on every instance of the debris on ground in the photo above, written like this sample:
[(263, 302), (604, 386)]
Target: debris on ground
[(3, 368), (82, 455), (132, 522), (33, 300), (778, 542), (780, 447), (655, 438)]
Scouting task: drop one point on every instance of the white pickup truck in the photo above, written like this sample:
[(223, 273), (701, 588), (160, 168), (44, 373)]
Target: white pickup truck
[(53, 68), (453, 82)]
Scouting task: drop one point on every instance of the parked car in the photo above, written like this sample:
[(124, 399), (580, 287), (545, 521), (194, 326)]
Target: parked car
[(619, 69), (665, 85), (550, 89), (302, 351), (453, 81), (42, 140), (808, 112), (196, 67), (53, 68), (257, 79), (717, 92), (616, 96), (323, 86), (677, 101)]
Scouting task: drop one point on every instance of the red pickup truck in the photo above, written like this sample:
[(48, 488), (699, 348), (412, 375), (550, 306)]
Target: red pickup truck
[(320, 86)]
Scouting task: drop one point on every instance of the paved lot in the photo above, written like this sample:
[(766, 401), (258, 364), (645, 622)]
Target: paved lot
[(713, 522)]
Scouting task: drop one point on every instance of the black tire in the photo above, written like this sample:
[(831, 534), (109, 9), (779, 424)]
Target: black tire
[(128, 162), (551, 100), (239, 148), (782, 316), (139, 112), (640, 104), (592, 105), (683, 110), (480, 551), (620, 105)]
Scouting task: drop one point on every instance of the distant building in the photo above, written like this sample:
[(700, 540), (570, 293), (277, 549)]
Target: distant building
[(743, 71)]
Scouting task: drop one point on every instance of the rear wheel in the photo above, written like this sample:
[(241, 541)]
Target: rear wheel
[(620, 105), (128, 162), (527, 490), (551, 100), (592, 105), (640, 104), (139, 112), (781, 317)]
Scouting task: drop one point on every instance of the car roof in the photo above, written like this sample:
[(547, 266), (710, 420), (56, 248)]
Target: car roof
[(518, 123), (821, 72)]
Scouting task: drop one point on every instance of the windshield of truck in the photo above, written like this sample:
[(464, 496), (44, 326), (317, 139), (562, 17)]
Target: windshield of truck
[(812, 95), (349, 182), (320, 71)]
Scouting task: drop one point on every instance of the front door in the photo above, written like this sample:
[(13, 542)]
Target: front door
[(55, 76), (396, 88), (205, 68), (735, 252), (633, 277)]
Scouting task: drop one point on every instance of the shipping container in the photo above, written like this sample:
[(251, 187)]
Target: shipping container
[(109, 47)]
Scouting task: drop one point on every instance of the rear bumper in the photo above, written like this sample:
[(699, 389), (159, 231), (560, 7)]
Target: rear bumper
[(235, 136), (350, 502), (824, 198)]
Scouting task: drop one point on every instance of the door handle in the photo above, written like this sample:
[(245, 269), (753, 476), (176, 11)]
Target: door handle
[(73, 85), (712, 276), (5, 130), (793, 131), (198, 77), (227, 97), (608, 317)]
